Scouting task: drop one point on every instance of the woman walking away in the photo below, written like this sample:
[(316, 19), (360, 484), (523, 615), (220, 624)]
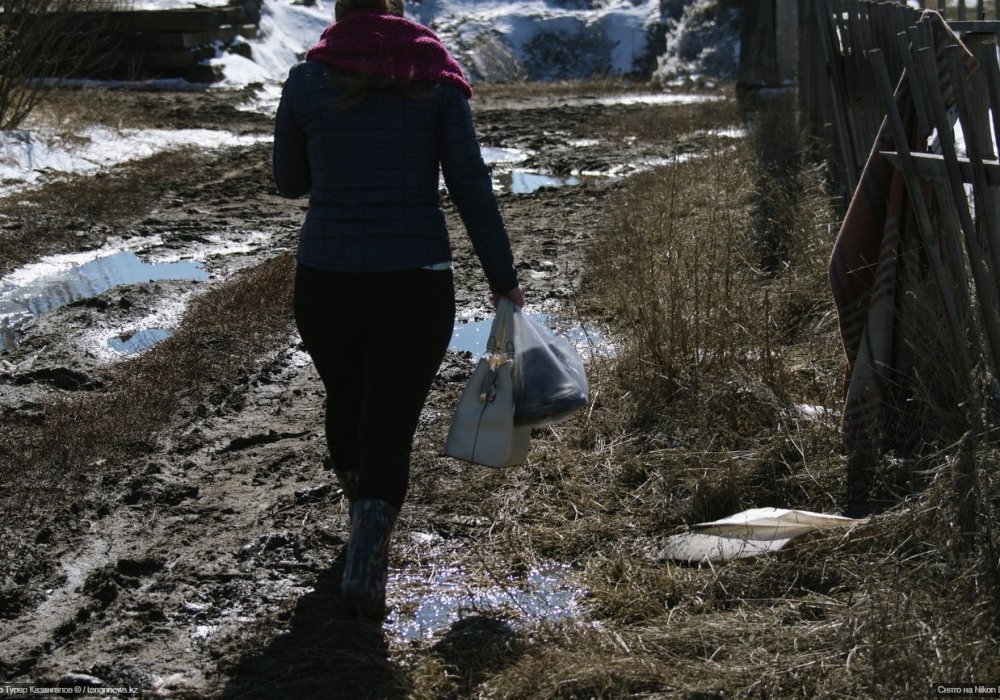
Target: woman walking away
[(364, 126)]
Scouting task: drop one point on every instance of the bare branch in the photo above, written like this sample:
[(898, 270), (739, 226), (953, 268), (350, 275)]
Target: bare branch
[(45, 39)]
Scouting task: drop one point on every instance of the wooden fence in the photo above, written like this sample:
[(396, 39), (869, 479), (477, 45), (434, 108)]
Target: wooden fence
[(839, 98), (914, 111), (175, 43)]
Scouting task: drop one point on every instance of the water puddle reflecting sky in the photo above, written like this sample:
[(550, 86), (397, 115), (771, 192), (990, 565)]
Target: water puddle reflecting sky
[(442, 599), (472, 336), (525, 182), (507, 178), (140, 341), (19, 302)]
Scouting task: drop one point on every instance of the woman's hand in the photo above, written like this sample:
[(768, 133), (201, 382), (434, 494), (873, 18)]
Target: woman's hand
[(516, 295)]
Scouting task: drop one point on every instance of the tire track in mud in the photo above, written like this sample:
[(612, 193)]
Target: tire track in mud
[(216, 530)]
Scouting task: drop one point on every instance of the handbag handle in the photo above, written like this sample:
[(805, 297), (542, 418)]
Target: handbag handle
[(501, 336), (488, 389), (501, 332)]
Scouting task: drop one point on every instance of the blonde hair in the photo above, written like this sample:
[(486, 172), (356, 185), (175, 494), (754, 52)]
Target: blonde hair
[(343, 7)]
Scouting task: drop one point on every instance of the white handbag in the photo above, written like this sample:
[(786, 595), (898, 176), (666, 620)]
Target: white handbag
[(483, 430)]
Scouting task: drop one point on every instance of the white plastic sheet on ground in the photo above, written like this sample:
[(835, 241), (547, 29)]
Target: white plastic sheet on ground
[(748, 534)]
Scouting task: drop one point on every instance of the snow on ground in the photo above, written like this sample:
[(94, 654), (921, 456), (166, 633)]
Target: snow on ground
[(286, 31), (543, 39), (704, 39), (532, 38), (28, 156), (537, 39)]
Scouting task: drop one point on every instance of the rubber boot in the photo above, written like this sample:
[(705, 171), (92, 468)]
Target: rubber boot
[(367, 568)]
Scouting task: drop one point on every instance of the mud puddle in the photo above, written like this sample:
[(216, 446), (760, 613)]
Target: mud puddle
[(473, 335), (139, 341), (94, 278), (440, 598), (78, 282)]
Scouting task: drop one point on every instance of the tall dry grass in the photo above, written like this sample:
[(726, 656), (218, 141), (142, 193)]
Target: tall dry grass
[(701, 415), (709, 338)]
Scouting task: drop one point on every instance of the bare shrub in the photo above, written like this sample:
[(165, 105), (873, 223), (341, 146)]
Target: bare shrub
[(40, 40), (696, 313)]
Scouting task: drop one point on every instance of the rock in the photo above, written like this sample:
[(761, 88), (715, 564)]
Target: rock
[(79, 680), (139, 568), (60, 378), (315, 494)]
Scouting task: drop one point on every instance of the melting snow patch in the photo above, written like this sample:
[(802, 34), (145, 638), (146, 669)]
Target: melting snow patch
[(204, 631), (109, 343), (58, 280), (665, 98), (26, 156), (735, 133), (492, 154), (68, 284), (286, 32), (810, 412)]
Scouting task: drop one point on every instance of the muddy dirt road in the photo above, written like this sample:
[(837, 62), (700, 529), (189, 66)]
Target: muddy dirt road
[(207, 563)]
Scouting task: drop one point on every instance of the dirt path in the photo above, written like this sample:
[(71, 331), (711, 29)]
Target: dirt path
[(212, 568)]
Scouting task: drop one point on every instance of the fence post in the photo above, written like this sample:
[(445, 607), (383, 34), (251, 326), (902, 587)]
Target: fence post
[(768, 43), (815, 104), (768, 57)]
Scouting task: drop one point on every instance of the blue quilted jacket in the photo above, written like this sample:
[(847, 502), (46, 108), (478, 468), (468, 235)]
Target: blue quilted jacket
[(372, 174)]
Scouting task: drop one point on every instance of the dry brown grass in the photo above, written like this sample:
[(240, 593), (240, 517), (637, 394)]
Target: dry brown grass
[(523, 89), (224, 333), (50, 218), (695, 420), (690, 123)]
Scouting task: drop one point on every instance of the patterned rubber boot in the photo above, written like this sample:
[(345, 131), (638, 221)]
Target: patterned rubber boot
[(367, 569)]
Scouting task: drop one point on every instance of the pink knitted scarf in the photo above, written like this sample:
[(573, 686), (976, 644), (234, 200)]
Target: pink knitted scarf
[(387, 46)]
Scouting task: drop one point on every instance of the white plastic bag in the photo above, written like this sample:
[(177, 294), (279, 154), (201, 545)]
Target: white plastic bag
[(549, 379)]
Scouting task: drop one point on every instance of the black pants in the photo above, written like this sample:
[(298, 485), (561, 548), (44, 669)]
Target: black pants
[(377, 341)]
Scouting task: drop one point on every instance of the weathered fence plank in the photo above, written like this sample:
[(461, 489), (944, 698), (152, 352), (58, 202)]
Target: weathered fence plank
[(931, 166), (945, 201), (142, 44), (925, 226), (837, 90)]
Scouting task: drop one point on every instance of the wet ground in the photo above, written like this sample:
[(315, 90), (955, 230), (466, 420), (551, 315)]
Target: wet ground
[(212, 569)]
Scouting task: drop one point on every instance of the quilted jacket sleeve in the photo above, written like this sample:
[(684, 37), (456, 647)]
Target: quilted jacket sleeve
[(290, 157), (471, 188)]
